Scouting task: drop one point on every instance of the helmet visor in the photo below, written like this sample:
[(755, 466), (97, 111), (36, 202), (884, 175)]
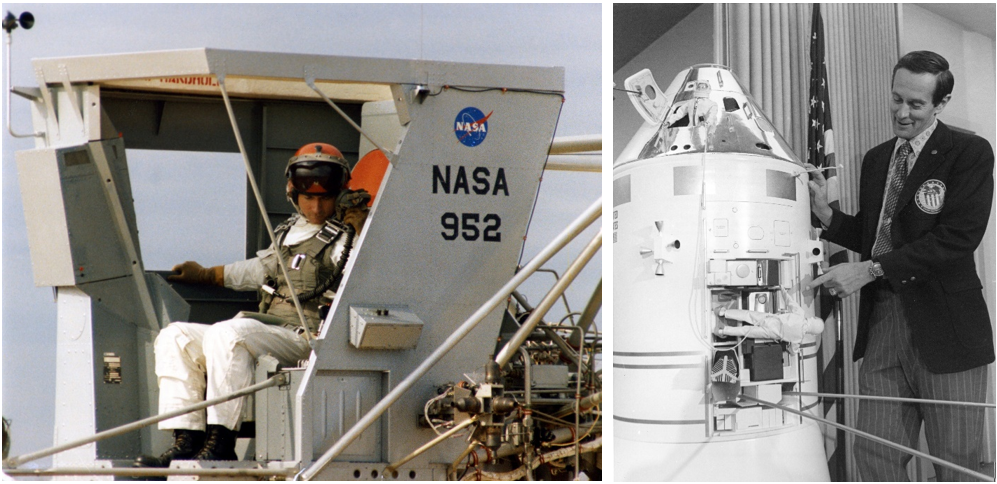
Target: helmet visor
[(318, 178)]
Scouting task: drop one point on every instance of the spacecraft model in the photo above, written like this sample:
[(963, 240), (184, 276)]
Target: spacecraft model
[(712, 247)]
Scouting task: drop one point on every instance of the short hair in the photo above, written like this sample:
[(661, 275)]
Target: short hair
[(923, 61)]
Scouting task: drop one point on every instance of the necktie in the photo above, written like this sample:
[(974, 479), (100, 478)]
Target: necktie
[(884, 241)]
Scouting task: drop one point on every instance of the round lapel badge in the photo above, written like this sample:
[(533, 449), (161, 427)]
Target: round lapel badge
[(930, 196)]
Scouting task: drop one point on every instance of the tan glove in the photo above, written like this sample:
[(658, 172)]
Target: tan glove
[(356, 216), (191, 272)]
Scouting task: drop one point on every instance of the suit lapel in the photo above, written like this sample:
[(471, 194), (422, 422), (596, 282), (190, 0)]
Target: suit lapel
[(932, 155)]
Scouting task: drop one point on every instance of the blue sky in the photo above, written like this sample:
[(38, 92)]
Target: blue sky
[(543, 35)]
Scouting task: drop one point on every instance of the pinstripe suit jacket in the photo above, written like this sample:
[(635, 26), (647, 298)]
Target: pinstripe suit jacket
[(940, 219)]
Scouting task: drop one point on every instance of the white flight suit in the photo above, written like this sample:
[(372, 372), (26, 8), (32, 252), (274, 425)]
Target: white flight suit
[(197, 361)]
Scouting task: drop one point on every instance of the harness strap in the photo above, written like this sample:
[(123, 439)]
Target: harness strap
[(328, 234)]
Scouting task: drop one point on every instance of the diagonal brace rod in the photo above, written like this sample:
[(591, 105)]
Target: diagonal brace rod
[(894, 399), (278, 379), (541, 310), (263, 209), (878, 440)]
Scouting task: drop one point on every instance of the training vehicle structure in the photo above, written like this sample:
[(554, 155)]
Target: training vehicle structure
[(457, 152)]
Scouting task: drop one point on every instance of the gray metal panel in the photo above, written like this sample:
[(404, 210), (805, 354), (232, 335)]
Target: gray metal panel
[(207, 61), (292, 124), (404, 259), (208, 304), (89, 325), (380, 121), (48, 236), (275, 419), (351, 471), (340, 399), (69, 218), (180, 123), (116, 404), (549, 376), (378, 328), (169, 305), (274, 184), (126, 66)]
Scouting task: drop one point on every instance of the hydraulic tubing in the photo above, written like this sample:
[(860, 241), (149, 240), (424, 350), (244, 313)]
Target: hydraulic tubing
[(569, 276), (586, 404), (569, 233), (564, 298), (548, 457), (879, 440), (894, 399), (528, 409), (588, 314), (564, 346), (390, 470), (278, 379), (567, 434), (151, 472), (453, 467), (263, 209)]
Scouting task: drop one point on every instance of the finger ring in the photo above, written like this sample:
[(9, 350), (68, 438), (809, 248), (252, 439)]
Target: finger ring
[(833, 291)]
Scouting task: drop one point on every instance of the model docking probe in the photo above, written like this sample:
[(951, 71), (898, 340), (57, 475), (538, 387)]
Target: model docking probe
[(712, 247)]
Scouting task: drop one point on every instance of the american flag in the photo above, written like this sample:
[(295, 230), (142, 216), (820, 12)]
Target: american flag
[(820, 153), (820, 136)]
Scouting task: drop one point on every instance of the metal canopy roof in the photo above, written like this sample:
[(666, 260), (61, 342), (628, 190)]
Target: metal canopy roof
[(281, 75)]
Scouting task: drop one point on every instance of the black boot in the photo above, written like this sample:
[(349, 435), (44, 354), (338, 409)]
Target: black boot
[(219, 444), (186, 443)]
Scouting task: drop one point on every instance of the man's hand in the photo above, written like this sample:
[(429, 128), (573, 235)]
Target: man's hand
[(191, 272), (818, 198), (356, 216), (843, 280)]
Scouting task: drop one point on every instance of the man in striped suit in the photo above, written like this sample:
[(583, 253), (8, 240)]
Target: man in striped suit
[(924, 328)]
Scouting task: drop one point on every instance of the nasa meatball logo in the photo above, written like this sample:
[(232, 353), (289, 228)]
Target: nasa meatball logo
[(471, 126), (930, 196)]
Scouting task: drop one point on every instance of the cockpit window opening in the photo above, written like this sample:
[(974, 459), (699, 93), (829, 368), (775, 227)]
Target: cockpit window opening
[(188, 206)]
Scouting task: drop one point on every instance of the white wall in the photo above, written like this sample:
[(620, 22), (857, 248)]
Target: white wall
[(688, 43), (971, 60)]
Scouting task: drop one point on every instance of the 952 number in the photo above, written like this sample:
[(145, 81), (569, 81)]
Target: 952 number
[(471, 226)]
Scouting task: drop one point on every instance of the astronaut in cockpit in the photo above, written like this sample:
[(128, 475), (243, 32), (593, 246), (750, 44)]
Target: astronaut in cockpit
[(197, 362)]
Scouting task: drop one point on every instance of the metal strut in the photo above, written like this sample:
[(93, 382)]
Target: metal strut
[(278, 379), (151, 472), (393, 467), (879, 440), (894, 399), (310, 80), (263, 209)]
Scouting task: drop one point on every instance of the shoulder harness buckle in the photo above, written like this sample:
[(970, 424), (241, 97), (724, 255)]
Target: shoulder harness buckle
[(329, 231)]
